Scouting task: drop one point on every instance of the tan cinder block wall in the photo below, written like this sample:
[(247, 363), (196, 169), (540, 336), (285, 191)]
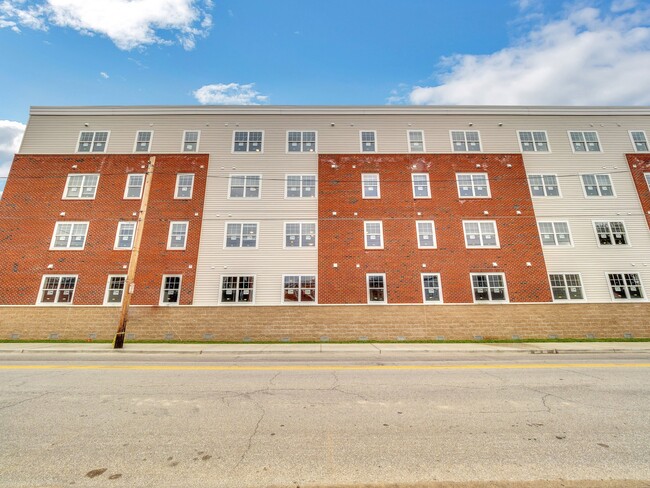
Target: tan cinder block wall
[(337, 323)]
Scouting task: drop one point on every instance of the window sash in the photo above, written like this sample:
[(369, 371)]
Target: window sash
[(300, 234), (237, 289), (368, 141), (370, 185), (241, 234), (426, 233), (171, 289), (245, 186), (416, 140), (566, 286), (373, 234), (248, 141), (81, 187), (300, 186), (489, 287), (69, 235), (376, 287), (542, 185), (57, 289), (421, 186), (597, 185), (611, 233), (178, 235), (184, 185), (480, 233), (92, 141), (301, 141), (143, 141), (125, 235), (431, 288), (555, 233), (639, 140), (625, 286), (134, 186), (299, 288), (115, 289), (473, 185)]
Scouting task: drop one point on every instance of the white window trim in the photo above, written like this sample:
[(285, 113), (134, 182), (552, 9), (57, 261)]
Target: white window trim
[(584, 189), (408, 141), (496, 235), (67, 182), (428, 186), (424, 300), (259, 189), (626, 300), (646, 178), (169, 236), (117, 235), (225, 237), (557, 179), (301, 175), (68, 248), (385, 300), (548, 142), (474, 197), (299, 302), (568, 300), (492, 302), (465, 131), (361, 142), (555, 246), (162, 290), (286, 148), (176, 186), (108, 138), (198, 142), (126, 187), (634, 145), (59, 304), (299, 222), (609, 221), (135, 143), (417, 235), (363, 187), (236, 303), (108, 282), (600, 144), (381, 234), (232, 144)]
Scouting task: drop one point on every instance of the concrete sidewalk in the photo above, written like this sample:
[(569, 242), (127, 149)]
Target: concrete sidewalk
[(360, 348)]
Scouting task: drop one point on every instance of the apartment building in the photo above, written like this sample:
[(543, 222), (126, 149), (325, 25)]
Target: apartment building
[(330, 223)]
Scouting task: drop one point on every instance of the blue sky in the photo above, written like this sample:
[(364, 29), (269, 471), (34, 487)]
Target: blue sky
[(112, 52)]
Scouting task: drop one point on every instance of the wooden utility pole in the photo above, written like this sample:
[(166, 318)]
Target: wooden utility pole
[(129, 285)]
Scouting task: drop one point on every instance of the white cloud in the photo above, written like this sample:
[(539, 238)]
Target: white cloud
[(104, 75), (623, 5), (128, 23), (11, 134), (229, 94), (587, 58)]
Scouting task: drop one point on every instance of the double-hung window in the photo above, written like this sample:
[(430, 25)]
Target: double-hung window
[(69, 236), (248, 141), (237, 289), (301, 141), (300, 234), (241, 234), (533, 141), (373, 234), (184, 186), (125, 235), (625, 286), (647, 179), (92, 141), (301, 186), (416, 140), (480, 233), (245, 186), (57, 289), (370, 185), (473, 185), (584, 141), (170, 293), (555, 233), (566, 286), (299, 289), (191, 140), (543, 185), (368, 140), (465, 141), (143, 141), (426, 234), (81, 187), (489, 287), (420, 183), (134, 185), (597, 185), (611, 233), (639, 140), (177, 239), (431, 291), (376, 287), (115, 289)]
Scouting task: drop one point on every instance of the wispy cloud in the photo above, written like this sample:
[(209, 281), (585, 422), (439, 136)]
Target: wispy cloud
[(11, 134), (229, 94), (104, 75)]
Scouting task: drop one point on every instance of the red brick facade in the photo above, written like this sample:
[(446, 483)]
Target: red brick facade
[(341, 236), (639, 167), (32, 203)]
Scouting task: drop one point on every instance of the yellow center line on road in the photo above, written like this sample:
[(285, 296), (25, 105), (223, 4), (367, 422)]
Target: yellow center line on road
[(307, 367)]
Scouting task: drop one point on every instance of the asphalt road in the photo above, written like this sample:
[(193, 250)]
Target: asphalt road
[(407, 420)]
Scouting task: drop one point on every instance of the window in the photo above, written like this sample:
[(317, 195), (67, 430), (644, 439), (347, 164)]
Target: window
[(555, 233), (143, 141), (373, 233), (191, 140), (473, 185), (245, 186), (125, 235), (171, 290), (426, 234), (465, 141), (639, 140), (134, 184), (647, 179), (301, 186), (92, 141), (299, 288), (597, 185), (239, 234), (247, 141), (368, 141), (489, 287), (566, 287), (301, 141), (57, 289), (421, 187), (544, 185), (625, 286), (611, 233), (586, 141), (533, 141), (237, 289), (81, 187), (431, 292), (376, 286), (299, 234), (416, 141), (115, 289), (69, 235), (177, 235), (480, 233), (184, 186), (370, 185)]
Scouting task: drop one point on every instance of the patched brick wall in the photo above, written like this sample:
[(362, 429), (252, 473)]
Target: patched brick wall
[(639, 166), (341, 236), (32, 203)]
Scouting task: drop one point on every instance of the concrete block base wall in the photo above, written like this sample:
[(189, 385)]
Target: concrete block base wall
[(336, 323)]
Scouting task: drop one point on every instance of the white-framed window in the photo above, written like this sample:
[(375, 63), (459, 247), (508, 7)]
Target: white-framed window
[(245, 186), (370, 185), (125, 235), (611, 233), (184, 186), (376, 288), (134, 185), (247, 141), (473, 185), (647, 179), (69, 236), (241, 234), (431, 288), (555, 233), (299, 234), (114, 289), (566, 286), (480, 233), (373, 234), (368, 140), (533, 141), (625, 286), (237, 289), (299, 289), (191, 141), (426, 230), (57, 289), (170, 291), (489, 287), (542, 185), (301, 141), (584, 141), (177, 239), (90, 141), (597, 185), (81, 187), (416, 140), (300, 186), (143, 141), (420, 183), (465, 140), (639, 140)]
